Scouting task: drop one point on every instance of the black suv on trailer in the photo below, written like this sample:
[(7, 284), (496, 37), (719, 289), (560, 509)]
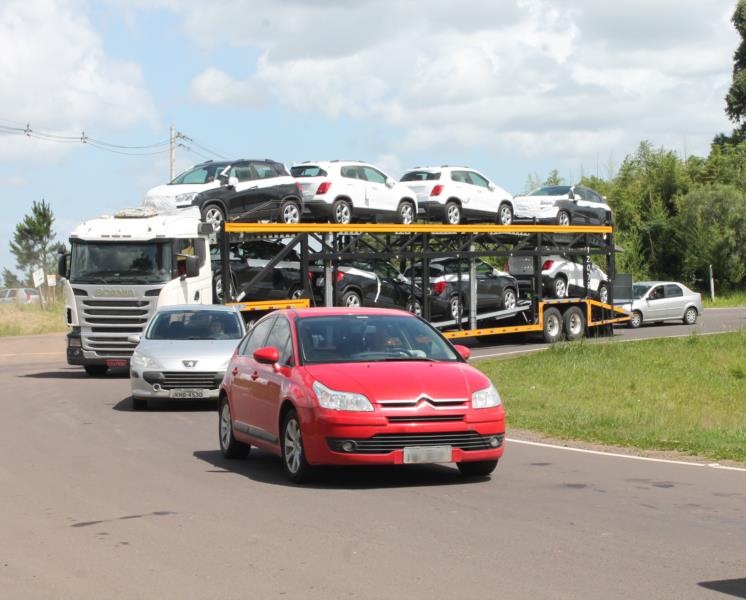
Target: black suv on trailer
[(252, 190)]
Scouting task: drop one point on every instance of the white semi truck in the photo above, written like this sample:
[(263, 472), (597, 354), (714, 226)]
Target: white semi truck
[(119, 269)]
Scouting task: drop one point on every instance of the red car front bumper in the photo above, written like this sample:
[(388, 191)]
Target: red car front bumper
[(379, 441)]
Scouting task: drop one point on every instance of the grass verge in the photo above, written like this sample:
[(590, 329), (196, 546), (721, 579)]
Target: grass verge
[(728, 300), (683, 394), (31, 319)]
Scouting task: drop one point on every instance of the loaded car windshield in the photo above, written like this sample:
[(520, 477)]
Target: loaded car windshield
[(421, 176), (201, 174), (370, 338), (195, 325), (126, 262)]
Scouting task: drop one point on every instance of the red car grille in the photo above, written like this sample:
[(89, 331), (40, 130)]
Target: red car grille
[(383, 443)]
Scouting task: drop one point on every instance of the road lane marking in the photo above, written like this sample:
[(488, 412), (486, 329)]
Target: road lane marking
[(32, 354), (630, 456)]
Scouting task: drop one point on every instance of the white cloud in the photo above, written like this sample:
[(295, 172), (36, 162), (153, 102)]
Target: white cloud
[(565, 80), (55, 74)]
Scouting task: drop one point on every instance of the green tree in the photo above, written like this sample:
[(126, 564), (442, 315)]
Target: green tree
[(11, 280), (735, 100), (553, 178), (32, 242)]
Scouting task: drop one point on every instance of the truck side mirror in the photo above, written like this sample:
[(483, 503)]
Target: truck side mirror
[(192, 266), (62, 261)]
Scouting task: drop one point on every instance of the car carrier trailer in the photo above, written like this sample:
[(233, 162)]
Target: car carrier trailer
[(330, 244)]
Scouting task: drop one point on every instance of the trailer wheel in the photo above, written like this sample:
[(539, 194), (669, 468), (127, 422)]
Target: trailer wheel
[(574, 323), (552, 326)]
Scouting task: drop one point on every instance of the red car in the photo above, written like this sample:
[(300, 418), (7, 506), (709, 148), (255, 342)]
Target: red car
[(340, 386)]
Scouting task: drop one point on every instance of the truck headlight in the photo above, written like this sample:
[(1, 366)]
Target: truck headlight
[(486, 398), (144, 361), (335, 400)]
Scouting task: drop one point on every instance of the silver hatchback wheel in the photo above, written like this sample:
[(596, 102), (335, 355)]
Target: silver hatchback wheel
[(293, 446)]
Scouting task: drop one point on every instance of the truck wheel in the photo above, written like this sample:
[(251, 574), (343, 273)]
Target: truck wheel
[(574, 322), (96, 370), (552, 326), (478, 468), (341, 212)]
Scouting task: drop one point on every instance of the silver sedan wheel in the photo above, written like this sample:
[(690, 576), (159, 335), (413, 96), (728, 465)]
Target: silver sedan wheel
[(290, 213), (225, 426), (214, 216), (293, 446), (690, 316)]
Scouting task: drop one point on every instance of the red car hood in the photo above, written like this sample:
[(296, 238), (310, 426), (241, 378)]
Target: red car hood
[(401, 380)]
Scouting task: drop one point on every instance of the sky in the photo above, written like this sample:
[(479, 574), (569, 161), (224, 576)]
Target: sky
[(511, 87)]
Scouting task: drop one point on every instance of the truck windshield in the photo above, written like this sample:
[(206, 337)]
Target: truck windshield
[(121, 262)]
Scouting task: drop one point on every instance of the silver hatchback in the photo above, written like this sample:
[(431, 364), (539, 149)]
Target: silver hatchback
[(184, 353), (656, 301)]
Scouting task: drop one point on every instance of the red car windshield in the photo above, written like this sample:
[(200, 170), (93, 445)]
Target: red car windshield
[(370, 338)]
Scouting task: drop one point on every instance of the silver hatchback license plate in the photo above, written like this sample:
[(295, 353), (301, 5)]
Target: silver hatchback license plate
[(428, 454), (187, 393)]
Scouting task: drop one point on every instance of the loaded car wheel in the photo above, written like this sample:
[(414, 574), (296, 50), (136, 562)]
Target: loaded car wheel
[(293, 456), (563, 218), (290, 212), (351, 299), (603, 293), (452, 214), (559, 287), (455, 308), (217, 287), (414, 307), (96, 370), (635, 320), (406, 212), (552, 326), (341, 212), (229, 445), (478, 468), (213, 214), (690, 316), (509, 299), (505, 214), (139, 403), (296, 293), (574, 323)]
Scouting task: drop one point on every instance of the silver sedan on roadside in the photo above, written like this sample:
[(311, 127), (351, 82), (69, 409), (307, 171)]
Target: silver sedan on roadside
[(184, 353), (657, 301)]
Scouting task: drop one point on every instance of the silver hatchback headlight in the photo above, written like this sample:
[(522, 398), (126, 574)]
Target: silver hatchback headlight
[(144, 361)]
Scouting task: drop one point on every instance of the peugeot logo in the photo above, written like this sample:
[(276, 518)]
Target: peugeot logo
[(189, 363), (114, 293)]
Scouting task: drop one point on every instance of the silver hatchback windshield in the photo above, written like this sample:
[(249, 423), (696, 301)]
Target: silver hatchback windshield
[(195, 325)]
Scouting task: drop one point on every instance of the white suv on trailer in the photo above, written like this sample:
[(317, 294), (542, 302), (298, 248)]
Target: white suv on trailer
[(457, 194), (561, 277), (341, 191)]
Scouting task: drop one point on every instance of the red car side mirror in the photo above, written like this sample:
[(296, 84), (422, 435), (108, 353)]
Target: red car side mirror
[(463, 351), (267, 355)]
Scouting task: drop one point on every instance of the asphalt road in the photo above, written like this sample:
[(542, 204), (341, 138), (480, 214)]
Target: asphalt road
[(97, 501)]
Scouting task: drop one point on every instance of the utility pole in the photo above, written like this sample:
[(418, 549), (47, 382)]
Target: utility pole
[(173, 153)]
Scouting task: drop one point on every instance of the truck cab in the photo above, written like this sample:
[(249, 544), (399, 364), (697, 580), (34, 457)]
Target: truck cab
[(119, 269)]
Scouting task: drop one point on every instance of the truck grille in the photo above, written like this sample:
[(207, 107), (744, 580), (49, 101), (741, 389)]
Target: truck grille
[(106, 323), (383, 443)]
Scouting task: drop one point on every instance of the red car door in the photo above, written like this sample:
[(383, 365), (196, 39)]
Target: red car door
[(267, 385), (243, 383)]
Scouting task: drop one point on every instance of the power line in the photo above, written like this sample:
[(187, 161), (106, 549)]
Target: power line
[(205, 148)]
